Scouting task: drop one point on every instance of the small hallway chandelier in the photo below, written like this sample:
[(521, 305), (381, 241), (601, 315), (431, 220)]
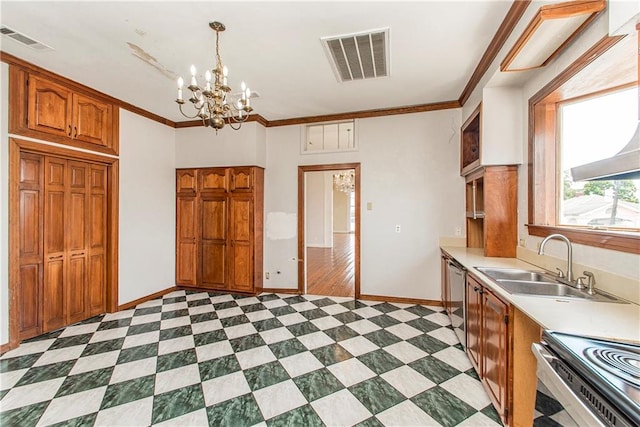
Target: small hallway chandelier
[(345, 181), (214, 103)]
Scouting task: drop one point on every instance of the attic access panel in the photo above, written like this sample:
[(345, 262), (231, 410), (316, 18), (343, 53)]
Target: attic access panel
[(357, 56)]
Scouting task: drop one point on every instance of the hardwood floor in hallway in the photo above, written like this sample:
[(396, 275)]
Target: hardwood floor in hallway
[(331, 271)]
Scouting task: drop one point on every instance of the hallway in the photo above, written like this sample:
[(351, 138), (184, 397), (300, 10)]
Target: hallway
[(331, 271)]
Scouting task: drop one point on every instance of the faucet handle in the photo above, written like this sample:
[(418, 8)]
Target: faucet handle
[(590, 282), (560, 273), (580, 282)]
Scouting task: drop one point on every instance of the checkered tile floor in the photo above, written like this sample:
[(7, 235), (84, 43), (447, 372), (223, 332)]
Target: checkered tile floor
[(197, 358)]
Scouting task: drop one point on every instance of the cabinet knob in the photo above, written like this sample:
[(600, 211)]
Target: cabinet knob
[(75, 129), (69, 133)]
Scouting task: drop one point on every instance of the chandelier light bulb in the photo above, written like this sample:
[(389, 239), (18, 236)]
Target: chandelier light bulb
[(225, 71), (207, 76), (193, 70), (180, 84)]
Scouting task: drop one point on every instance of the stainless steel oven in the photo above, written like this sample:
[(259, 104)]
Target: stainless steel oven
[(597, 381), (457, 284)]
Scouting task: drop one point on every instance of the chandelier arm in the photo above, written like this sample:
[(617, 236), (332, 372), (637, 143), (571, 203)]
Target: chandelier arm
[(187, 116), (230, 123)]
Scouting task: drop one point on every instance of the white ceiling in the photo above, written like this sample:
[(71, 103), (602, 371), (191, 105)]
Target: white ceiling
[(274, 46)]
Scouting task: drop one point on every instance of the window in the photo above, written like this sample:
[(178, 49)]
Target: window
[(596, 95), (329, 137), (593, 130)]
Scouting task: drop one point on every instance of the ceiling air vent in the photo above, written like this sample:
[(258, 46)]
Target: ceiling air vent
[(359, 56), (25, 40)]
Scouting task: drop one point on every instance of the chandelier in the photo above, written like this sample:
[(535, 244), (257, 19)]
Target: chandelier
[(214, 104), (345, 181)]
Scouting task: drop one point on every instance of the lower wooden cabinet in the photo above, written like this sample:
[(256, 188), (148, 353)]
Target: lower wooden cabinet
[(488, 343), (219, 228)]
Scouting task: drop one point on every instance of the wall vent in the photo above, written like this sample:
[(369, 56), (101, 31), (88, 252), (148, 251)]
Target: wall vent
[(358, 56), (23, 39)]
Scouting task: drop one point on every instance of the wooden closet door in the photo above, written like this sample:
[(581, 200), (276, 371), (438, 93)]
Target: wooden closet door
[(97, 240), (54, 304), (50, 107), (76, 244), (31, 257), (241, 253), (213, 227), (186, 240)]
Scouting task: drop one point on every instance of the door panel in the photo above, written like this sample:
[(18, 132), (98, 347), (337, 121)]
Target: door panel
[(97, 284), (49, 107), (77, 225), (474, 306), (186, 183), (213, 228), (76, 289), (30, 245), (186, 241), (91, 120), (242, 267), (97, 240), (213, 180), (494, 348), (54, 306), (241, 179)]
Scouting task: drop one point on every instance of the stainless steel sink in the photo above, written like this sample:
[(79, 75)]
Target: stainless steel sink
[(540, 284), (516, 274)]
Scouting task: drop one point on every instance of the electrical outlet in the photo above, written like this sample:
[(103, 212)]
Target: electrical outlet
[(458, 231), (266, 275), (523, 243), (398, 229)]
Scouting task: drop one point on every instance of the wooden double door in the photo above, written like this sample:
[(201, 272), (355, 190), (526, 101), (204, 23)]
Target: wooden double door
[(219, 228), (63, 242)]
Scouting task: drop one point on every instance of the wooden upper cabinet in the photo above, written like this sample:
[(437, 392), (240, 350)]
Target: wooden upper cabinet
[(91, 120), (214, 180), (52, 108), (242, 179), (186, 182)]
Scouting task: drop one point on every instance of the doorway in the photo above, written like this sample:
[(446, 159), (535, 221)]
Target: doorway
[(329, 230)]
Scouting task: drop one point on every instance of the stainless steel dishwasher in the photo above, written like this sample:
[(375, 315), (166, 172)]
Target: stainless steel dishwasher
[(457, 283)]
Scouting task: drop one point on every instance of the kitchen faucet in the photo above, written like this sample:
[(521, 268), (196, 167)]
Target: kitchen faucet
[(569, 276)]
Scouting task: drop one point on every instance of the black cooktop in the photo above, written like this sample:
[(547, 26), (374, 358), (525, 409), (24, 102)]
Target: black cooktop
[(613, 368)]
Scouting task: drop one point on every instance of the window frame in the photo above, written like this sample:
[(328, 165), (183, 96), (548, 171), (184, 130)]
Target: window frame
[(543, 174), (304, 135)]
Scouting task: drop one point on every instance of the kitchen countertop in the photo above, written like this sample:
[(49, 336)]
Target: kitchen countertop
[(597, 319)]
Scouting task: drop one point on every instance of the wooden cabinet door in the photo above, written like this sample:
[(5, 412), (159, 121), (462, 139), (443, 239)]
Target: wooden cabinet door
[(55, 263), (213, 180), (241, 251), (30, 245), (49, 107), (186, 241), (494, 349), (213, 228), (242, 179), (91, 120), (474, 321), (76, 241), (186, 183), (97, 240)]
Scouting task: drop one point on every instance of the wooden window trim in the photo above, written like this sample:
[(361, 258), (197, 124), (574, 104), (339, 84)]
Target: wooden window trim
[(542, 154)]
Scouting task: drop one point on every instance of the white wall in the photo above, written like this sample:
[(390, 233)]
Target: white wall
[(341, 211), (318, 208), (409, 171), (200, 146), (4, 203), (147, 207)]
